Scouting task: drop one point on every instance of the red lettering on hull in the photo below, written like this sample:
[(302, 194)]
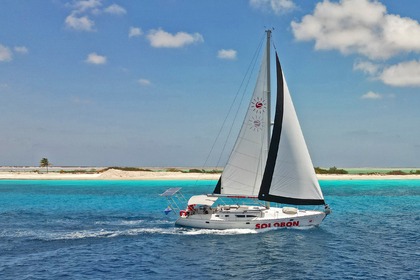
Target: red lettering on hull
[(277, 224)]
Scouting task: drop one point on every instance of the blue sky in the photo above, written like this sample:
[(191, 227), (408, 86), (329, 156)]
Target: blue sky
[(149, 83)]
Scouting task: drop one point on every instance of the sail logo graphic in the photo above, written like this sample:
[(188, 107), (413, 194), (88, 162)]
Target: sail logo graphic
[(259, 105), (256, 123)]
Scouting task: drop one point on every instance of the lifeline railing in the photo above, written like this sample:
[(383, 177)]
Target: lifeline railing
[(174, 198)]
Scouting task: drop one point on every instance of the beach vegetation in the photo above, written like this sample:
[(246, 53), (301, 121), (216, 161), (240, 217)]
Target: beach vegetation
[(44, 163), (396, 172), (331, 170), (125, 169), (196, 170), (214, 171), (172, 169)]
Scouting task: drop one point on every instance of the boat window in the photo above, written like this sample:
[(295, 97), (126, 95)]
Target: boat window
[(251, 216), (240, 216), (226, 215), (216, 215)]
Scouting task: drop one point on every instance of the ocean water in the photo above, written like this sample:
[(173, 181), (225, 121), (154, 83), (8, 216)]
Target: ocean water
[(117, 230)]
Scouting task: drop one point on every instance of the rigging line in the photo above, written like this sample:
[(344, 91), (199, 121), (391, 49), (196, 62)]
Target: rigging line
[(250, 69), (252, 65)]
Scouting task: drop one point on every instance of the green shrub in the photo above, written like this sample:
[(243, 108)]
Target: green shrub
[(332, 170), (396, 172)]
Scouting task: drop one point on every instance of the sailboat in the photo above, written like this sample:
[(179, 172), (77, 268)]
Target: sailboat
[(270, 164)]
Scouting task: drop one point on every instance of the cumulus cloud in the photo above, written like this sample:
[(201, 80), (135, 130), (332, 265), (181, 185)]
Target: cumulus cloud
[(144, 82), (402, 74), (134, 32), (94, 58), (81, 23), (276, 6), (115, 10), (161, 39), (227, 54), (358, 26), (367, 67), (82, 12), (371, 95), (5, 54), (85, 5)]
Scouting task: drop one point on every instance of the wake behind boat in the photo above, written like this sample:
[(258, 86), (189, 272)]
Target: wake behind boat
[(267, 164)]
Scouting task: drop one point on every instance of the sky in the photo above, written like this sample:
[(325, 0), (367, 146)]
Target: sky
[(149, 83)]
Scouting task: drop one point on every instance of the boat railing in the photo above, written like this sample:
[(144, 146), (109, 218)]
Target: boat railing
[(175, 198)]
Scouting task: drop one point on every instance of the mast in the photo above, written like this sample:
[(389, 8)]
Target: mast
[(268, 31), (268, 89)]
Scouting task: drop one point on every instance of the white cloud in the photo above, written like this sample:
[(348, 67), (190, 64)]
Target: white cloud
[(94, 58), (367, 67), (134, 32), (115, 10), (402, 74), (144, 82), (5, 54), (21, 49), (358, 26), (82, 11), (227, 54), (85, 5), (80, 23), (371, 95), (162, 39), (276, 6)]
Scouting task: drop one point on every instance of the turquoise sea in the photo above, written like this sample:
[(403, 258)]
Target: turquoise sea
[(118, 230)]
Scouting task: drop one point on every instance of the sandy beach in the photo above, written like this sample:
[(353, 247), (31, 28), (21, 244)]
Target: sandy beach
[(113, 174)]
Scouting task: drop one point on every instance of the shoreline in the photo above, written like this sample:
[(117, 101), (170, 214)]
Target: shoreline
[(114, 174)]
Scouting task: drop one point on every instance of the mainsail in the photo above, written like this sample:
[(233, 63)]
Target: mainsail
[(245, 168)]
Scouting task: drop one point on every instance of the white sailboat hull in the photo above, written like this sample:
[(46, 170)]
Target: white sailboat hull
[(248, 217)]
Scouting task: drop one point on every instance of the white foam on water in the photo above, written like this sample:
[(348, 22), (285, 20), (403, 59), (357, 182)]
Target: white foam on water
[(303, 227), (81, 234), (121, 222), (133, 222), (105, 233), (217, 231)]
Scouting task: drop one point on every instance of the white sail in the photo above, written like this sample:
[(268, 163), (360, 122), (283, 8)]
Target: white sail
[(244, 170), (294, 175), (290, 176)]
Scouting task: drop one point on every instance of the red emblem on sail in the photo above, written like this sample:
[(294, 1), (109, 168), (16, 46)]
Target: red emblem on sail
[(258, 105)]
